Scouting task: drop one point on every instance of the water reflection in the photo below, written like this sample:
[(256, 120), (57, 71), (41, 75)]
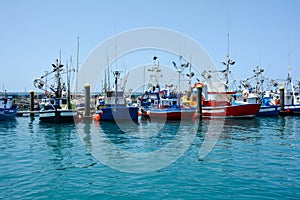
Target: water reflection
[(8, 131), (31, 124), (128, 148), (87, 134), (58, 137)]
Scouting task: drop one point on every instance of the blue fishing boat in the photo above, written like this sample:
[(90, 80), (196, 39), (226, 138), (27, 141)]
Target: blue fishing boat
[(113, 106), (268, 108), (8, 109), (163, 104), (291, 99)]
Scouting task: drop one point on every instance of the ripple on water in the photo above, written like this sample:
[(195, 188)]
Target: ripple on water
[(255, 158)]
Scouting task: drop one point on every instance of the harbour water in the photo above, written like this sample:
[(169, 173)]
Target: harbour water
[(253, 158)]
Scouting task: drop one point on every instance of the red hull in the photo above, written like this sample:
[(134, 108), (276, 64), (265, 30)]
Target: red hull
[(242, 110), (172, 114)]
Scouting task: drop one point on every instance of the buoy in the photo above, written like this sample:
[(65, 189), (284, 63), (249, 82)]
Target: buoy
[(195, 115), (79, 118), (98, 117), (140, 113), (288, 111)]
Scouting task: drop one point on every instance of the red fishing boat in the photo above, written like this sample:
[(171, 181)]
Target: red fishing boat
[(169, 109), (214, 109)]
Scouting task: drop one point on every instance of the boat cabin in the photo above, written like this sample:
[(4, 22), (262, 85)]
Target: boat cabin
[(6, 102)]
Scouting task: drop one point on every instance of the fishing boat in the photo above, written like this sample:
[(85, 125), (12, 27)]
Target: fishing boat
[(257, 94), (221, 103), (291, 99), (113, 106), (267, 108), (225, 109), (169, 108), (165, 103), (8, 109), (56, 106)]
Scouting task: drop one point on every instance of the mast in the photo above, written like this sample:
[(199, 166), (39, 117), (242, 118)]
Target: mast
[(46, 92), (144, 79), (227, 63), (105, 82), (190, 75), (117, 75), (108, 74), (68, 86), (77, 57)]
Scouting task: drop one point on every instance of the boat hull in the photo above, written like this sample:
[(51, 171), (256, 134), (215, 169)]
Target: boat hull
[(268, 111), (57, 116), (172, 114), (118, 113), (233, 111), (291, 110), (8, 114)]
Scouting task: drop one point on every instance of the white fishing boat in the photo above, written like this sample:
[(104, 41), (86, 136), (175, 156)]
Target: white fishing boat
[(56, 107)]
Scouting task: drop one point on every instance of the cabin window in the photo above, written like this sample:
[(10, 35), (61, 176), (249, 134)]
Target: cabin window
[(64, 101)]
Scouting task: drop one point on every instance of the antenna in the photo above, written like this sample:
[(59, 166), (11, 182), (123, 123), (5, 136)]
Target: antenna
[(228, 27), (228, 61), (228, 44), (59, 56)]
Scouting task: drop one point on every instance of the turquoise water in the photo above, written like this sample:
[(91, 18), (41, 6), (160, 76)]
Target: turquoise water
[(254, 158)]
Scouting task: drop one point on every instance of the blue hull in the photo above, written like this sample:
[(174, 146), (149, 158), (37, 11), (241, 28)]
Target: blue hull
[(268, 111), (8, 114), (291, 110), (119, 113)]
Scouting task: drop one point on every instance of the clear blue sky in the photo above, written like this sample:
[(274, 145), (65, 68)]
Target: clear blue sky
[(262, 32)]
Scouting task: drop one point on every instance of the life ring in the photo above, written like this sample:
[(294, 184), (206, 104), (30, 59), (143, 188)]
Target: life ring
[(245, 94)]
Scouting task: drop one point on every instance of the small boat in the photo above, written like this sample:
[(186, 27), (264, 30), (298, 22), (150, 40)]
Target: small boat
[(8, 109), (231, 111), (169, 109), (268, 108), (56, 111), (56, 108), (256, 94), (113, 106), (223, 103), (291, 96), (227, 109)]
